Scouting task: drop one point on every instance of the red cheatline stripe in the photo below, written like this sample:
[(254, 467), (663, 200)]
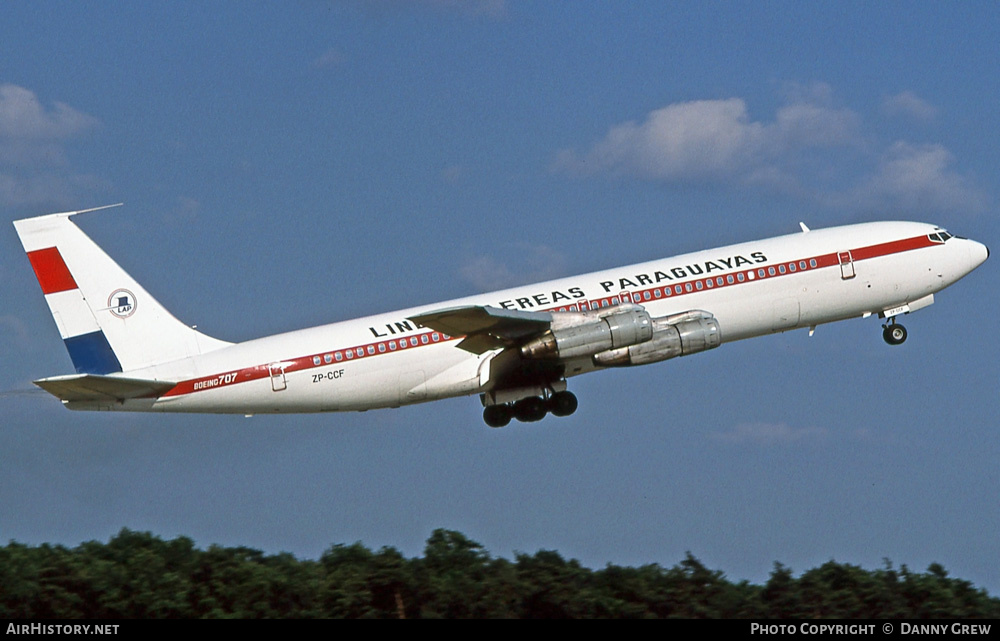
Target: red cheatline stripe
[(894, 247), (329, 359), (51, 271), (210, 382), (754, 274)]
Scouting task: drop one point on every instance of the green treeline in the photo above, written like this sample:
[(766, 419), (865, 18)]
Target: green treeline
[(137, 574)]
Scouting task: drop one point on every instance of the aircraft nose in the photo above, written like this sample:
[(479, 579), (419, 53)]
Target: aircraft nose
[(978, 253)]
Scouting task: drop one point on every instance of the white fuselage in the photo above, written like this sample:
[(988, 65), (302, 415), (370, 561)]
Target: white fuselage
[(752, 289)]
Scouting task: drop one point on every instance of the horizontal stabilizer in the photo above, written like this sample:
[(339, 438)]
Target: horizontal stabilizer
[(94, 387), (485, 328)]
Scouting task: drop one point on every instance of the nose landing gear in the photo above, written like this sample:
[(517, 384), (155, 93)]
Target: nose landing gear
[(893, 333)]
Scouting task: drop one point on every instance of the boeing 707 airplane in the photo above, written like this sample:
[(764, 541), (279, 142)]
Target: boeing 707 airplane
[(514, 348)]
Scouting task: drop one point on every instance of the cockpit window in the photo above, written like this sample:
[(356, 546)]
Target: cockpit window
[(939, 237)]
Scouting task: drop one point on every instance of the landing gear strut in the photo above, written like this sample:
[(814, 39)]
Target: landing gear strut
[(893, 333), (531, 409)]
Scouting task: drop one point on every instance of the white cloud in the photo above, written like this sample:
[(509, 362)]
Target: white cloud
[(688, 140), (910, 105), (813, 150), (805, 125), (716, 140), (33, 140), (22, 117), (809, 118), (522, 263), (920, 178), (769, 434)]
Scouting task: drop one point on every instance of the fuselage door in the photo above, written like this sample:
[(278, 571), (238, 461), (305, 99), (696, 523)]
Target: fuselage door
[(846, 265), (277, 371)]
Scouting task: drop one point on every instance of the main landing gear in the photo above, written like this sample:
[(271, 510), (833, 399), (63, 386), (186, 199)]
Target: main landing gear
[(893, 333), (531, 409)]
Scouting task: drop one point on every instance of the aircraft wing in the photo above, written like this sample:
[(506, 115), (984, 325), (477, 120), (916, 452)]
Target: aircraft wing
[(95, 387), (485, 328)]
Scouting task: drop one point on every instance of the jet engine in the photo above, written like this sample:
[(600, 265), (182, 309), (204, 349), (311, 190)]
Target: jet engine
[(581, 334), (674, 335)]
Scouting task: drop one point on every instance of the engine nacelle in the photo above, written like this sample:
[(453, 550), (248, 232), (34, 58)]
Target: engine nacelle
[(675, 335), (575, 335)]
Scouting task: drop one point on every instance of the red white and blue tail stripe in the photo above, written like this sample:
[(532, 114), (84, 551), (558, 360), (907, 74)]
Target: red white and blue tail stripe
[(86, 343)]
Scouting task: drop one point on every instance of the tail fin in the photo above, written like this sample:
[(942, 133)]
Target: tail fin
[(107, 320)]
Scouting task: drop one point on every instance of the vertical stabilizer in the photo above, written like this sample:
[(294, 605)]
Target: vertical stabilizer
[(108, 322)]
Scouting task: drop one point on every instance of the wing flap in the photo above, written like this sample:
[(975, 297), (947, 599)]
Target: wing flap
[(94, 387), (485, 328)]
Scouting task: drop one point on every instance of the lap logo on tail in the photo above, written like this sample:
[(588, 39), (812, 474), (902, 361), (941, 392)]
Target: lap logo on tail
[(121, 303)]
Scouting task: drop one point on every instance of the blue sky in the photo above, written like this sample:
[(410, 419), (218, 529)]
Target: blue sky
[(289, 164)]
